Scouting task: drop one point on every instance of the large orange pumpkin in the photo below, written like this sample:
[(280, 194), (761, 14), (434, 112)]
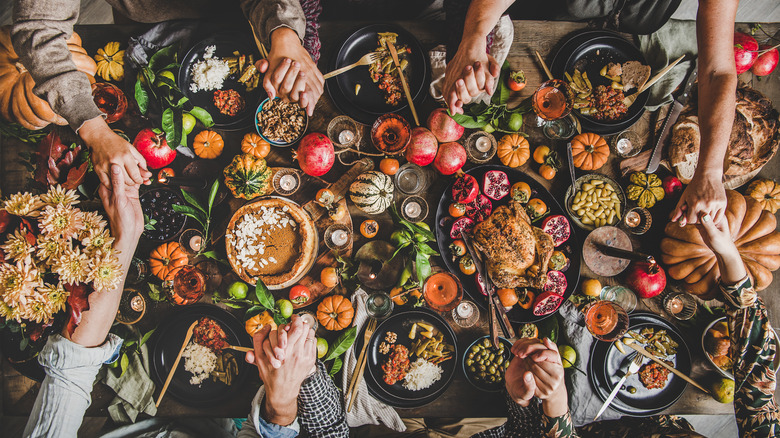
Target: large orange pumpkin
[(513, 150), (208, 144), (753, 231), (590, 151), (18, 103), (253, 144), (335, 313), (166, 260)]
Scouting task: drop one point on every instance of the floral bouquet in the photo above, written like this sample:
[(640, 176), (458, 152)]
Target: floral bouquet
[(52, 255)]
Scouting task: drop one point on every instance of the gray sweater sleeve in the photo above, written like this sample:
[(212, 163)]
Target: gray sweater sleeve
[(39, 34), (268, 15)]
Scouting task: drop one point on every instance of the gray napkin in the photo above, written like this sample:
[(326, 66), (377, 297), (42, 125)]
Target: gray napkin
[(134, 390), (675, 38)]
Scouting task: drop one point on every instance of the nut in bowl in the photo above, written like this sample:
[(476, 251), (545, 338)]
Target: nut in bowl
[(280, 123), (594, 201)]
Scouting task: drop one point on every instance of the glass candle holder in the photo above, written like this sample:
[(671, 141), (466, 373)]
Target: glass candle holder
[(626, 144), (379, 305), (286, 182), (481, 147), (192, 241), (621, 295), (442, 291), (137, 271), (109, 99), (414, 209), (411, 179), (344, 132), (391, 134), (560, 129), (132, 307), (680, 305), (637, 220), (309, 318), (338, 237), (465, 314)]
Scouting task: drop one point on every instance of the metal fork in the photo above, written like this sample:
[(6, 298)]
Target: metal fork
[(354, 382), (367, 59)]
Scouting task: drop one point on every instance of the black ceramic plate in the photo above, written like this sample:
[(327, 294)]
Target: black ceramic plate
[(589, 52), (369, 103), (605, 361), (225, 45), (166, 343), (401, 323), (571, 247)]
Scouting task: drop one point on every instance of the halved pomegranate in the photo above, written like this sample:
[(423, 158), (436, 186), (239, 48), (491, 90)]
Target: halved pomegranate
[(556, 282), (465, 189), (479, 209), (546, 303), (495, 185), (464, 224), (480, 283), (557, 226)]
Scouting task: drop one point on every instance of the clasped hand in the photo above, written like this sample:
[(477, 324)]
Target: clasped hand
[(536, 371)]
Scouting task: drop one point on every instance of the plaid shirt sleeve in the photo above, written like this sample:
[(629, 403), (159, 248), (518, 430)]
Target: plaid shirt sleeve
[(753, 348), (530, 421), (320, 406)]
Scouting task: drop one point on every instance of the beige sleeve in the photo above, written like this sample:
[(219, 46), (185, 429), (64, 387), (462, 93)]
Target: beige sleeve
[(268, 15)]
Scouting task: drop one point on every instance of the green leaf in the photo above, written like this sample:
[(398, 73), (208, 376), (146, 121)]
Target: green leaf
[(478, 109), (167, 124), (467, 122), (155, 292), (146, 337), (197, 219), (232, 306), (128, 343), (178, 130), (213, 194), (164, 81), (141, 97), (501, 96), (424, 248), (193, 201), (186, 209), (341, 344), (24, 343), (279, 319), (336, 367), (125, 362), (163, 58), (252, 311), (203, 116), (422, 266), (263, 296), (400, 248)]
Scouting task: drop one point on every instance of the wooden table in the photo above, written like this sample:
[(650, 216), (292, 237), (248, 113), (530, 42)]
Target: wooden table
[(461, 399)]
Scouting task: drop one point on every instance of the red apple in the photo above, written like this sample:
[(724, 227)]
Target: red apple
[(154, 148), (766, 62), (672, 184), (745, 51)]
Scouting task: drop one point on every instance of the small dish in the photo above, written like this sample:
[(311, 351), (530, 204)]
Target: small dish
[(725, 373), (484, 386), (277, 142), (572, 190)]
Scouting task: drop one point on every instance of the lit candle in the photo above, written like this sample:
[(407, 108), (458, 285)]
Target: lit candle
[(287, 182), (633, 219), (346, 136), (308, 318), (339, 237), (196, 242), (483, 144), (676, 305), (624, 146), (137, 303), (412, 209), (464, 310)]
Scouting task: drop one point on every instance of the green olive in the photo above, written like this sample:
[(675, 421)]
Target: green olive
[(473, 369), (492, 369), (469, 362), (482, 367), (486, 342), (499, 360), (491, 356), (475, 349), (631, 390)]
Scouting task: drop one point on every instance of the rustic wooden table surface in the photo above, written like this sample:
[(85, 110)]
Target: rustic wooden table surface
[(461, 399)]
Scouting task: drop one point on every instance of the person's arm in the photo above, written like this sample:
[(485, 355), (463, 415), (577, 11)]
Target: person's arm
[(717, 100), (72, 361), (472, 71), (320, 406)]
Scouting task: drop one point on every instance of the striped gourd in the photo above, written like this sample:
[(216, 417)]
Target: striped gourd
[(372, 192), (248, 177)]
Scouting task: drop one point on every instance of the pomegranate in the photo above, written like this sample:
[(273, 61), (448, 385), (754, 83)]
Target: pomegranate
[(464, 224), (547, 303), (315, 154), (450, 158), (766, 62), (672, 185), (557, 226), (480, 283), (646, 279), (556, 283), (495, 185), (154, 148), (745, 51), (444, 127), (465, 189), (422, 148), (480, 208)]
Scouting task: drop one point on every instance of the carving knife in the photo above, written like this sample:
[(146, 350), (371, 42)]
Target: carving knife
[(671, 118)]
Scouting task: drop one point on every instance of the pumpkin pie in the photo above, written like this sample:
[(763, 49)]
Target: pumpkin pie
[(272, 239)]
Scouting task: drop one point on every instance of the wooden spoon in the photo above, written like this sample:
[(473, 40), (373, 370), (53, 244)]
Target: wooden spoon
[(176, 363)]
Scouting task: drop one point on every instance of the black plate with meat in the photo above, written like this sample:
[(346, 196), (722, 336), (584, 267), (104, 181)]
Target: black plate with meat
[(401, 323), (225, 45), (369, 103), (589, 52), (571, 247), (166, 342), (605, 361)]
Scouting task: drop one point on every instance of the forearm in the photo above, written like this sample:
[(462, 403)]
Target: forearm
[(732, 268), (267, 16), (481, 18), (39, 34)]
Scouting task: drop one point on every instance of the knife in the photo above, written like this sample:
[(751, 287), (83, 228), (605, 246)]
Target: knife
[(623, 254), (394, 55), (671, 118), (633, 367)]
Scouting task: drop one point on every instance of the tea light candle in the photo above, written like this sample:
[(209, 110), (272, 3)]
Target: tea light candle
[(308, 318), (339, 237), (196, 242), (346, 136), (137, 303), (675, 305), (413, 209), (287, 182), (483, 144), (624, 146), (464, 310), (633, 219)]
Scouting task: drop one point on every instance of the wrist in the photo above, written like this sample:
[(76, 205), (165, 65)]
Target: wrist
[(556, 405), (280, 410), (92, 130), (283, 38)]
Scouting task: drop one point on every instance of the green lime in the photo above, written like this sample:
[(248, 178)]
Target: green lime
[(399, 237), (322, 348), (568, 355), (515, 122), (164, 74), (488, 128), (238, 290), (285, 307), (187, 122)]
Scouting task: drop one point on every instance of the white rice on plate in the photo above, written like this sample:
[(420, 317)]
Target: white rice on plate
[(209, 73), (200, 361), (421, 375)]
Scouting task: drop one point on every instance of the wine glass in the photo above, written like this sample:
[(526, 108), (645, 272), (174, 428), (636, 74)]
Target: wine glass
[(442, 291), (391, 134), (606, 320), (552, 100)]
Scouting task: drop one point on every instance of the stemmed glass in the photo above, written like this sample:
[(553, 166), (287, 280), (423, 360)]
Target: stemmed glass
[(552, 103)]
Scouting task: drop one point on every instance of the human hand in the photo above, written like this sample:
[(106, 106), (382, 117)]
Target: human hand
[(717, 235), (519, 381), (122, 206), (289, 72), (470, 72), (107, 148), (548, 371), (704, 195)]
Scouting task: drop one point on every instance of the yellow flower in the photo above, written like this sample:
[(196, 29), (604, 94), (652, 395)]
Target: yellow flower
[(9, 312), (92, 221), (97, 240), (105, 272), (61, 221), (18, 282), (23, 204), (37, 310), (72, 266), (50, 248), (58, 195), (17, 247)]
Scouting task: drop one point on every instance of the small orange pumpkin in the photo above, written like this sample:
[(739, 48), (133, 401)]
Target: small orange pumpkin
[(253, 144), (257, 322), (590, 151), (166, 260), (335, 313), (513, 150), (208, 144)]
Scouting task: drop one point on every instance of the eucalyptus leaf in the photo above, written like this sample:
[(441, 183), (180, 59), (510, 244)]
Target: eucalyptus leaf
[(336, 366), (141, 97), (341, 344), (263, 296)]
